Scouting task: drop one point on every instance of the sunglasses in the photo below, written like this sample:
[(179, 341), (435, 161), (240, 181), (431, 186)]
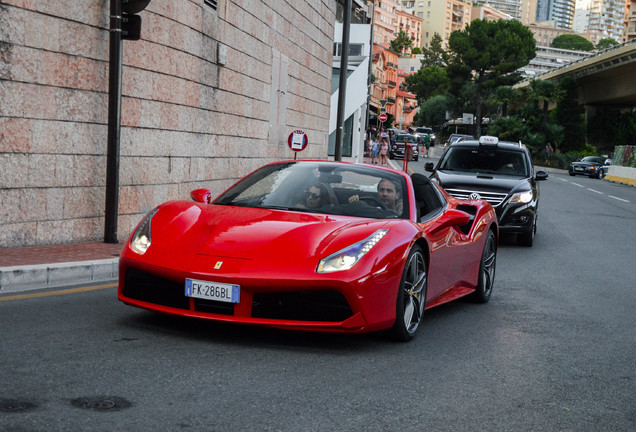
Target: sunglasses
[(312, 195)]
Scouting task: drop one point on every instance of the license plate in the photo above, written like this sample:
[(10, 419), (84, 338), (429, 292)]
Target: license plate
[(578, 169), (209, 290)]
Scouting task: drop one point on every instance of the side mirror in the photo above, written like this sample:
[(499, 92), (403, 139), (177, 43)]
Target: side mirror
[(451, 218), (201, 195), (428, 166), (541, 175)]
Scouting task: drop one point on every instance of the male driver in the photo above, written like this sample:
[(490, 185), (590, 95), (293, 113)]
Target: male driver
[(388, 194)]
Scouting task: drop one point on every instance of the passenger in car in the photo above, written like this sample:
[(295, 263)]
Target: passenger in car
[(318, 195)]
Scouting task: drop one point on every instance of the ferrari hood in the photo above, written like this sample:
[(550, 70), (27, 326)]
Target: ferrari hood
[(254, 233)]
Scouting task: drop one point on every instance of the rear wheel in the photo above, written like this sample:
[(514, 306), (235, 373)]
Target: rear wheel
[(486, 270), (411, 296)]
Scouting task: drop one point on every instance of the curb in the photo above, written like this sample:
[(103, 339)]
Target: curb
[(39, 276)]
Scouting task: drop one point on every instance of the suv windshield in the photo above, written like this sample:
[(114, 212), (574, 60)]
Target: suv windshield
[(490, 161)]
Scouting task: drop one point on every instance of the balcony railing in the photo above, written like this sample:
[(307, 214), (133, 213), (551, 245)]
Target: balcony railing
[(392, 83), (391, 100)]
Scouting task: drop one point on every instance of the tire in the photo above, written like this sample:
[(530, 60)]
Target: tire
[(601, 174), (571, 173), (527, 238), (411, 297), (487, 267)]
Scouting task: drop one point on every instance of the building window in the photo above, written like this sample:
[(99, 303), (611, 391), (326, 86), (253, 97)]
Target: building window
[(354, 49)]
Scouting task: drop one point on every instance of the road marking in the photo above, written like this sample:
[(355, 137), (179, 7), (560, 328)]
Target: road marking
[(59, 292), (595, 191), (576, 184), (620, 199), (564, 180)]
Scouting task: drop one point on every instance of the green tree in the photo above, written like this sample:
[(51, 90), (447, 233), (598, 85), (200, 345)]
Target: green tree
[(502, 97), (572, 42), (427, 82), (435, 55), (568, 116), (605, 43), (433, 111), (416, 50), (545, 92), (401, 43), (489, 53)]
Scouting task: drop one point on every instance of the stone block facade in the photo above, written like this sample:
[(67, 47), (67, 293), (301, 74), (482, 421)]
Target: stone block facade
[(207, 96)]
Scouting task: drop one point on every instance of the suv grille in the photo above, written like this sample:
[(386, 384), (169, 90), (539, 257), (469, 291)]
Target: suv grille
[(493, 198)]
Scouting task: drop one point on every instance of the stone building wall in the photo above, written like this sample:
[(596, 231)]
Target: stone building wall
[(208, 96)]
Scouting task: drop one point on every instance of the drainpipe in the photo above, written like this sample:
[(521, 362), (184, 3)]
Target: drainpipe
[(114, 120)]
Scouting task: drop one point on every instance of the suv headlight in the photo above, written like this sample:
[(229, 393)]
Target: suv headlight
[(346, 258), (141, 240), (522, 197)]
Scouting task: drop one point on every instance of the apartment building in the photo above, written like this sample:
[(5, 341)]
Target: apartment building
[(384, 21), (559, 11), (411, 24), (601, 18), (630, 21), (442, 17)]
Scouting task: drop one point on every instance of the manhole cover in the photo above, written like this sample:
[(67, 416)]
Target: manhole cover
[(13, 405), (101, 403)]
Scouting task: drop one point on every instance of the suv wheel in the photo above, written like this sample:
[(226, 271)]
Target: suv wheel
[(527, 238)]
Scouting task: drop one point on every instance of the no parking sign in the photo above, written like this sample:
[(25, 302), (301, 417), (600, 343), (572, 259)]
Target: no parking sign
[(297, 140)]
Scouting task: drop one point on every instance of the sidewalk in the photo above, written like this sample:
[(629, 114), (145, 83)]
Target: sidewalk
[(36, 267)]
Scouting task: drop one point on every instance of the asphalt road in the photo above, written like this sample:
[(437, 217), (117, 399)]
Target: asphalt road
[(554, 350)]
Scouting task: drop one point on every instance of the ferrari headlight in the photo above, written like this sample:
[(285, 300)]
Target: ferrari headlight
[(346, 258), (521, 197), (141, 240)]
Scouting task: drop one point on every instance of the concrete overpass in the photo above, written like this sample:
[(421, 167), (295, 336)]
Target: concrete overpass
[(606, 79)]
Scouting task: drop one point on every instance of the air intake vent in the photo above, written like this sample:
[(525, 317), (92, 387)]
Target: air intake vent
[(212, 3)]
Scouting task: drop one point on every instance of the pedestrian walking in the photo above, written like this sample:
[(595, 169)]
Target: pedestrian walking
[(375, 151), (384, 150), (427, 144)]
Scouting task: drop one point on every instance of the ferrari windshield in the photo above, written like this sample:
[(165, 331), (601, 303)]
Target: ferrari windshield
[(322, 187), (485, 161)]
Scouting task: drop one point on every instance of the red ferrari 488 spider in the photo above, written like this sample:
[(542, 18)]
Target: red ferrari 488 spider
[(313, 245)]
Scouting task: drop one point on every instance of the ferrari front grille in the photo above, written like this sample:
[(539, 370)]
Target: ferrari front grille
[(324, 305), (327, 306), (493, 198), (147, 287)]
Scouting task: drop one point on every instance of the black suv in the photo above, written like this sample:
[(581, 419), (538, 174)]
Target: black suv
[(499, 172)]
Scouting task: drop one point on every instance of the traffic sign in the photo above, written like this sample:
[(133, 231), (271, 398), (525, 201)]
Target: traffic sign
[(382, 117), (297, 140)]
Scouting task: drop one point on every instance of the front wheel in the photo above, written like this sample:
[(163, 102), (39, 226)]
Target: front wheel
[(487, 269), (527, 238), (411, 296), (600, 175)]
